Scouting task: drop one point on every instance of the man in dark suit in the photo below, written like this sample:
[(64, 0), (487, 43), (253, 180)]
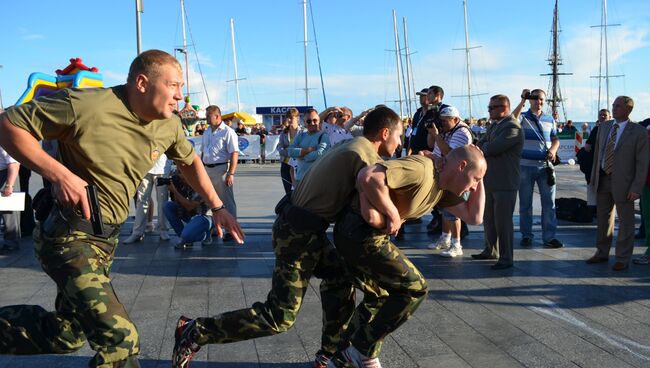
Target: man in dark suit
[(502, 145), (618, 174)]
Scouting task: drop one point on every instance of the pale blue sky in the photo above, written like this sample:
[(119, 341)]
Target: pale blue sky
[(353, 37)]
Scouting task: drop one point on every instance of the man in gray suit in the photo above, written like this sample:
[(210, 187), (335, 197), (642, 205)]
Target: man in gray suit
[(618, 174), (502, 145)]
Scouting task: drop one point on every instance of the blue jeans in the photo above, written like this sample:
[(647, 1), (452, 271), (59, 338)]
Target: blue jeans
[(189, 229), (529, 176)]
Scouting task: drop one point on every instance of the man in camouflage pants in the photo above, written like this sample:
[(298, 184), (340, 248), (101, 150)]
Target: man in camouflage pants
[(393, 287), (108, 138), (301, 249)]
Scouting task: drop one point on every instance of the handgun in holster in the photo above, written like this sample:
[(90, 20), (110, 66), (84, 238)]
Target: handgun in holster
[(95, 211)]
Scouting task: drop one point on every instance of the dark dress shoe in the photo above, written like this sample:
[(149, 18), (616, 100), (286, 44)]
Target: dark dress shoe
[(501, 266), (554, 244), (526, 242), (228, 237), (619, 266), (483, 256), (596, 259)]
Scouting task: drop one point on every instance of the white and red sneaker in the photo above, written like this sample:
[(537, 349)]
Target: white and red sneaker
[(184, 346), (355, 359)]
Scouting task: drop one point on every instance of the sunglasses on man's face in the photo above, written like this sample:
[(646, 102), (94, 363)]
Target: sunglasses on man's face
[(311, 121)]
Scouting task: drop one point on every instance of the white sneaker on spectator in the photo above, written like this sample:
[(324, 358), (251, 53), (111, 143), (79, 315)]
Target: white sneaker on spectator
[(359, 360), (164, 235), (134, 238), (440, 244), (455, 251)]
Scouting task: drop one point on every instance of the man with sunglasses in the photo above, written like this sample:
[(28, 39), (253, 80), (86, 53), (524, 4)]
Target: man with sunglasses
[(309, 145), (501, 144), (540, 148)]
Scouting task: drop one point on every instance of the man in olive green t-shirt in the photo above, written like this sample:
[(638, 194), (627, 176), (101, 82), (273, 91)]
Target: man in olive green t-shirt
[(108, 138), (393, 287), (302, 249)]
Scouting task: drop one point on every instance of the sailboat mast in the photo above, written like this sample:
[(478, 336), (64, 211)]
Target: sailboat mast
[(397, 65), (187, 69), (304, 17), (234, 58), (606, 53), (408, 69), (554, 62), (138, 9), (469, 75)]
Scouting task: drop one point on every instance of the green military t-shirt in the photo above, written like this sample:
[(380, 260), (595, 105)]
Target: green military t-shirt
[(413, 186), (102, 141), (330, 184)]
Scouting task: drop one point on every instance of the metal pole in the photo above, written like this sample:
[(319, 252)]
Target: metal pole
[(408, 69), (1, 104), (469, 84), (187, 69), (600, 60), (304, 16), (234, 58), (138, 9), (397, 65), (606, 55), (554, 63)]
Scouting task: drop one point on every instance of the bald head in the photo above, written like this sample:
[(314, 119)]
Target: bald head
[(470, 154)]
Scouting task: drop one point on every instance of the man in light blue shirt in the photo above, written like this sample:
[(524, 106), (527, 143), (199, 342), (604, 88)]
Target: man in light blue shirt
[(540, 147), (309, 146)]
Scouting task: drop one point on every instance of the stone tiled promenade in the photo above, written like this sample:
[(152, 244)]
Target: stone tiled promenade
[(550, 310)]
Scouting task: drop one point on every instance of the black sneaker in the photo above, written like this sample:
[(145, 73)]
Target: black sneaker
[(183, 245), (184, 346), (526, 242), (554, 244)]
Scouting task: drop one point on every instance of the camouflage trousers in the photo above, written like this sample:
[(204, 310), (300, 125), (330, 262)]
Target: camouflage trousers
[(393, 287), (86, 306), (298, 255)]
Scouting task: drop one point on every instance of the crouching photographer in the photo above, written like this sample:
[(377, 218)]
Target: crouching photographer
[(186, 212)]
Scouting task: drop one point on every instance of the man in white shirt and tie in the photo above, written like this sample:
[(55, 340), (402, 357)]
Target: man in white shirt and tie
[(219, 153)]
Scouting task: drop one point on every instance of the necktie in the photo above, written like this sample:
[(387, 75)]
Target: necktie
[(608, 165)]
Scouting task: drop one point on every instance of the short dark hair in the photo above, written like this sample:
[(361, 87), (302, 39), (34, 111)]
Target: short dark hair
[(378, 119), (437, 90), (310, 110), (149, 63), (501, 98), (212, 108)]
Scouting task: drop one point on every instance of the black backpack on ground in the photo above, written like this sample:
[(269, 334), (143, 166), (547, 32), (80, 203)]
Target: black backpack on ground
[(573, 209)]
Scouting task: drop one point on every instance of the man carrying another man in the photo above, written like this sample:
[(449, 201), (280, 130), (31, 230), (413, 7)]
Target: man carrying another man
[(393, 287)]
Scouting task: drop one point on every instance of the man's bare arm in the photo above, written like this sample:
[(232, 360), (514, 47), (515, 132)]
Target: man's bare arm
[(471, 211), (371, 181)]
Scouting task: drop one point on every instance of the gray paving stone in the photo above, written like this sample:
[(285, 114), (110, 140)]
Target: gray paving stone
[(550, 310)]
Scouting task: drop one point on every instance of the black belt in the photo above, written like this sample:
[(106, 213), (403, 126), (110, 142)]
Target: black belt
[(217, 164), (85, 226)]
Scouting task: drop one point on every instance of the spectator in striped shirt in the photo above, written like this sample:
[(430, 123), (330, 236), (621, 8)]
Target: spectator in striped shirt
[(455, 133), (540, 148)]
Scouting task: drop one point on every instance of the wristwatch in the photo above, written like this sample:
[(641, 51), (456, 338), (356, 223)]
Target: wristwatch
[(216, 209), (230, 174)]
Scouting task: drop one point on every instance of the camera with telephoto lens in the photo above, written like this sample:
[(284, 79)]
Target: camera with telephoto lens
[(550, 173)]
